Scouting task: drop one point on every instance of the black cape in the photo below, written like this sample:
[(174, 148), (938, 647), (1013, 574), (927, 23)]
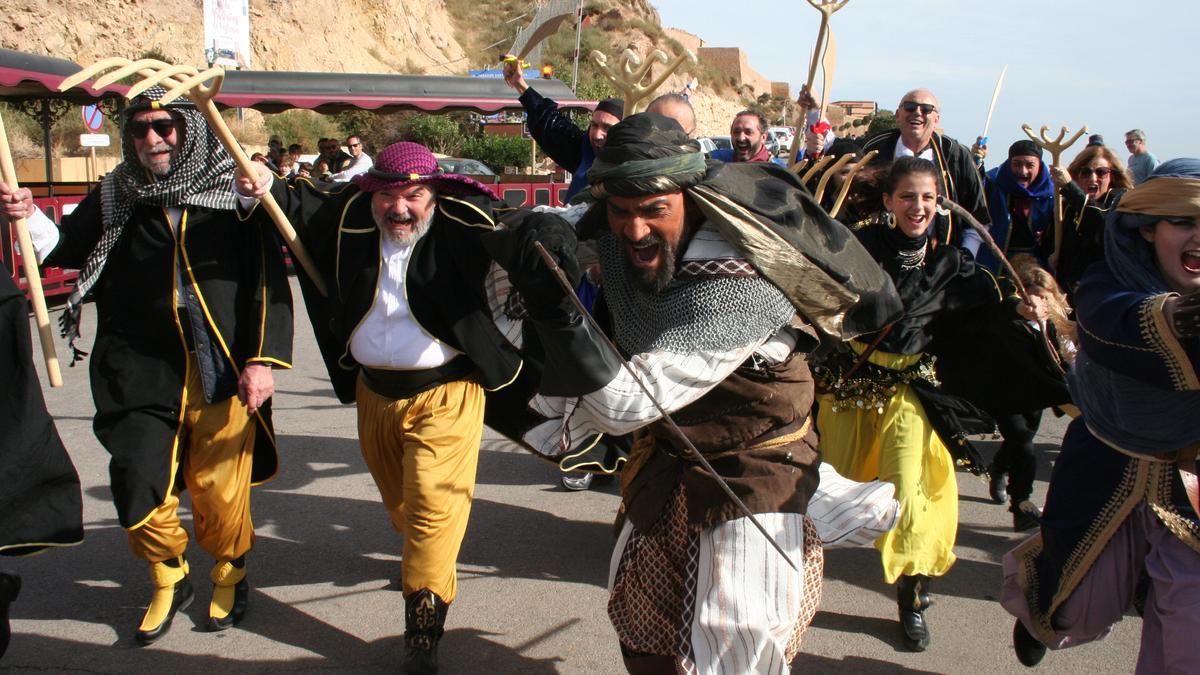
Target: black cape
[(40, 503)]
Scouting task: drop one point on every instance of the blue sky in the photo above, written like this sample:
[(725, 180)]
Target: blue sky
[(1110, 65)]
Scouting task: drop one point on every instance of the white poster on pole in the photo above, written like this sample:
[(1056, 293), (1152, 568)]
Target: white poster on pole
[(227, 33)]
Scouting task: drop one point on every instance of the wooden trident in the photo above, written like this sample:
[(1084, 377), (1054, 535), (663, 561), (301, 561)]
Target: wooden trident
[(180, 80), (33, 277), (824, 54), (631, 71), (1056, 148)]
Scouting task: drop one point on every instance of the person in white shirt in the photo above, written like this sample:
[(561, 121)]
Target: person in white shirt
[(359, 161), (409, 337)]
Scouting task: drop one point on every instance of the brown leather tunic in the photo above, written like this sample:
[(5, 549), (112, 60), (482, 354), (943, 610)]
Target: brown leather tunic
[(730, 424)]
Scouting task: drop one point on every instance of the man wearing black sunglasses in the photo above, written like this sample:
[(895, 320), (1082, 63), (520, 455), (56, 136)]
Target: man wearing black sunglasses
[(360, 161), (193, 312), (917, 116)]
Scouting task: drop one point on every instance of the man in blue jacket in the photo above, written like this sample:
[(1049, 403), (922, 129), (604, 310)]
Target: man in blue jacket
[(571, 147), (1020, 199)]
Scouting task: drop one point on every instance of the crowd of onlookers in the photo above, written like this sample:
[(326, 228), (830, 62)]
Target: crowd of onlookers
[(332, 163)]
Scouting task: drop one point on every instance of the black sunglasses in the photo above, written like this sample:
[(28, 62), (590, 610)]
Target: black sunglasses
[(1087, 171), (162, 126), (911, 106)]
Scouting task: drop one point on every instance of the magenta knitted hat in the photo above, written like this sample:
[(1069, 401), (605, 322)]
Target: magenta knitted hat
[(404, 163)]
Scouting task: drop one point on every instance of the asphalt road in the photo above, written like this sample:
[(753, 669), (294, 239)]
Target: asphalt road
[(532, 572)]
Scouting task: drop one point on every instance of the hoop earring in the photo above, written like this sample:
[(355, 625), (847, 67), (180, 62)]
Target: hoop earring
[(890, 219)]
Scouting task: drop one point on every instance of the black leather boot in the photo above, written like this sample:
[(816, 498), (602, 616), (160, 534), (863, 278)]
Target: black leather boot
[(1029, 651), (912, 596), (424, 621), (10, 587)]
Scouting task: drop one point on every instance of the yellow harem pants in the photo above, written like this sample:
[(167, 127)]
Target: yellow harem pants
[(422, 452), (899, 446), (216, 447)]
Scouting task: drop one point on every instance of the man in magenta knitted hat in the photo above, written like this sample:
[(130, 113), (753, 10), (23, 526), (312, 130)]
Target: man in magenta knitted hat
[(407, 334)]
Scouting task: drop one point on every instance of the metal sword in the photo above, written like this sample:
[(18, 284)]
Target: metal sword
[(561, 277)]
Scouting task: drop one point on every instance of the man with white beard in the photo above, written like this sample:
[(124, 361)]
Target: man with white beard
[(406, 332)]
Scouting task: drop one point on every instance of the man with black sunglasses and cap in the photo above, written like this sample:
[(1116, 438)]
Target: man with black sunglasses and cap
[(568, 145), (917, 116), (193, 312)]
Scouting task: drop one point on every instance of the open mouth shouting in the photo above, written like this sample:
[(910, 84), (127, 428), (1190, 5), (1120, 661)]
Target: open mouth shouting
[(1190, 259), (646, 253)]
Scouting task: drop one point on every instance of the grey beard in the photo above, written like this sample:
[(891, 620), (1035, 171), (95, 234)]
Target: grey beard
[(408, 239)]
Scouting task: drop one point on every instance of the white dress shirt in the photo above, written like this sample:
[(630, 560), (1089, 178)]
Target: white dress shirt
[(388, 336)]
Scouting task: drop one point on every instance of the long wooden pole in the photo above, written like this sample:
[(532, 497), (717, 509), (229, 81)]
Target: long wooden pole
[(33, 276)]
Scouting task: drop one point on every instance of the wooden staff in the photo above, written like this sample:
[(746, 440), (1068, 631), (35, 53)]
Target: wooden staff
[(858, 166), (1055, 148), (826, 8), (829, 173), (33, 276), (627, 78), (180, 80), (814, 168)]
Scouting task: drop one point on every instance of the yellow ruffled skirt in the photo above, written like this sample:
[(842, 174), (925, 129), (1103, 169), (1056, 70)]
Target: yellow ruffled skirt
[(899, 446)]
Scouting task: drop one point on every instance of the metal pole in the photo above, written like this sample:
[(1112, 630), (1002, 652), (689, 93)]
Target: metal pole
[(578, 37), (46, 122)]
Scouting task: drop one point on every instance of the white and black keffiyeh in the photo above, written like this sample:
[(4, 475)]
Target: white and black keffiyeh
[(200, 176)]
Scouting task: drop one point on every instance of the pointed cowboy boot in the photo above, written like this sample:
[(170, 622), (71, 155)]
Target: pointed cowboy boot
[(912, 596), (424, 619), (230, 594), (172, 592)]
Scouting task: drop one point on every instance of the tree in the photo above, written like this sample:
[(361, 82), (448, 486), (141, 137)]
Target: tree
[(439, 133), (884, 120)]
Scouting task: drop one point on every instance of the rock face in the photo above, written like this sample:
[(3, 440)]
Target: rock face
[(349, 36), (365, 36)]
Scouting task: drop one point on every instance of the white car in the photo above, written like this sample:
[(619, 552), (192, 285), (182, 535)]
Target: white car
[(783, 137)]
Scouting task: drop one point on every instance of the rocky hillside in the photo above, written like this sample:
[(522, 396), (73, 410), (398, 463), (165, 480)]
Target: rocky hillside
[(404, 36)]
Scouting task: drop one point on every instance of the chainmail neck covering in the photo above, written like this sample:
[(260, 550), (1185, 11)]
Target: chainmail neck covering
[(694, 313)]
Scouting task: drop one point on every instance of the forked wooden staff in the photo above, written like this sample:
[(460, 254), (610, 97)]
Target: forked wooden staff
[(829, 174), (813, 168), (823, 55), (631, 71), (858, 166), (179, 80), (1056, 148), (33, 276)]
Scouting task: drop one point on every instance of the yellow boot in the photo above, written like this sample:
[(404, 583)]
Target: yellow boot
[(172, 592), (230, 594)]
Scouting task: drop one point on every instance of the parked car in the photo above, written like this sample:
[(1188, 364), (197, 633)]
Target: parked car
[(468, 167), (706, 145), (722, 142), (783, 137)]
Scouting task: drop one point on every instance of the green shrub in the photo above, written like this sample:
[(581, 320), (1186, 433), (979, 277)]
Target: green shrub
[(302, 126), (497, 151)]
